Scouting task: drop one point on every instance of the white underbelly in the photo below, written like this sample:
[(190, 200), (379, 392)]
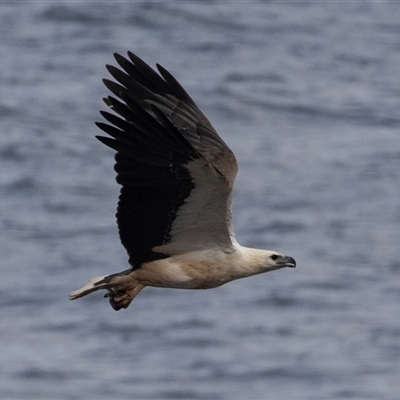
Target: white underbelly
[(192, 271)]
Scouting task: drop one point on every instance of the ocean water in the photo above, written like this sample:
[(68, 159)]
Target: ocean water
[(307, 94)]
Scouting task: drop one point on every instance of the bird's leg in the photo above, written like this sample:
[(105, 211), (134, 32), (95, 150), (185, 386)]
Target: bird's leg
[(122, 298)]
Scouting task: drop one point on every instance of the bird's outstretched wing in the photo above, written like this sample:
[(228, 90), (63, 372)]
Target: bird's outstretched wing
[(176, 173)]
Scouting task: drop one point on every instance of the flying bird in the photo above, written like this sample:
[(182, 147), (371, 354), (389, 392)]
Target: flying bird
[(174, 213)]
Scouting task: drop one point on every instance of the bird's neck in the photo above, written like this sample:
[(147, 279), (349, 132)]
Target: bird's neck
[(251, 261)]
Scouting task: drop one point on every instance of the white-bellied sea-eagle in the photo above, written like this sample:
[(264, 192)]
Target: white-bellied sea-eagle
[(177, 175)]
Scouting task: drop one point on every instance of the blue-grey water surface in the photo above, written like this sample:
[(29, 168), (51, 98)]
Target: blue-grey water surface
[(307, 94)]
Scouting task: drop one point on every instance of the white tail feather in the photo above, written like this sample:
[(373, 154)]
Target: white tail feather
[(88, 288)]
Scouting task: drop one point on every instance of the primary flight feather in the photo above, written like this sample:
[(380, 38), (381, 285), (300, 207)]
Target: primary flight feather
[(174, 212)]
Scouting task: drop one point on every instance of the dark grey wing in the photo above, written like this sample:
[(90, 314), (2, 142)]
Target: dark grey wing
[(164, 144)]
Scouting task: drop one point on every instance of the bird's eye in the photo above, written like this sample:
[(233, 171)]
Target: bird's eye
[(274, 257)]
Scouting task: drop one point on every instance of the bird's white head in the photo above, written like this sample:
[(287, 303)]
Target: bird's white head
[(259, 261), (274, 260)]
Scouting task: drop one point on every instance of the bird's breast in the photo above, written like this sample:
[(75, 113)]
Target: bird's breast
[(189, 271)]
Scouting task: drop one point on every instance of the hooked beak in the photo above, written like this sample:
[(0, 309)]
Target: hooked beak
[(286, 261)]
